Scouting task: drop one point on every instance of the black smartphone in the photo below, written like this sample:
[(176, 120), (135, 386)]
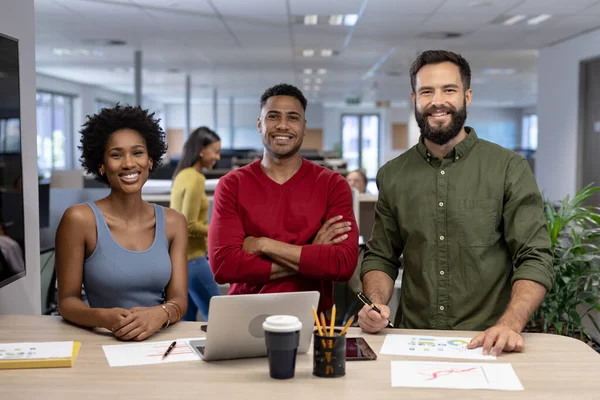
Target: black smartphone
[(357, 349)]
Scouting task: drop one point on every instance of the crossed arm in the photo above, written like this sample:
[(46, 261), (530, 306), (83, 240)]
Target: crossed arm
[(238, 258), (286, 257)]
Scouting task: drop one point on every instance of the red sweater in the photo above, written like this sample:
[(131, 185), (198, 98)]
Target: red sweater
[(249, 203)]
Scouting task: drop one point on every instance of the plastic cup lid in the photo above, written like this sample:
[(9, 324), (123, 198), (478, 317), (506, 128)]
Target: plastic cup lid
[(282, 323)]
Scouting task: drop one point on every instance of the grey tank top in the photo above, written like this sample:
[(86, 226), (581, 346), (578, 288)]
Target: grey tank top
[(116, 277)]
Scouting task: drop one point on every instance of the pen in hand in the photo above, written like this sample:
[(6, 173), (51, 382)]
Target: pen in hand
[(171, 347), (369, 303)]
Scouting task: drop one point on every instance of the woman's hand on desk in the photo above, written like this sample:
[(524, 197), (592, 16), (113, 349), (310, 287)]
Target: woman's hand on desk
[(140, 324), (109, 317)]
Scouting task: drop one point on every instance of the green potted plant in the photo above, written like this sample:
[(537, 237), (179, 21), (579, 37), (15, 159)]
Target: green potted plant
[(574, 231)]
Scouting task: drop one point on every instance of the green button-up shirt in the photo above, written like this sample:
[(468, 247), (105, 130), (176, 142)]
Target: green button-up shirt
[(468, 226)]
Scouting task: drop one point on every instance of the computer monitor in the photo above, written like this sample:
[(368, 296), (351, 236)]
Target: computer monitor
[(12, 226)]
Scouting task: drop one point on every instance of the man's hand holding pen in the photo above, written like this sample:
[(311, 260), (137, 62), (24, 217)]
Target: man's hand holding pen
[(371, 321), (373, 317)]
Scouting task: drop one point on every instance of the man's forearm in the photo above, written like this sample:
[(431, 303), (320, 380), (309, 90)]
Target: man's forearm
[(525, 299), (279, 271), (378, 286), (284, 254)]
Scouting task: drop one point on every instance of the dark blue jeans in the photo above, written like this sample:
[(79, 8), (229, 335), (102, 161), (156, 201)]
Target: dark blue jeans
[(201, 287)]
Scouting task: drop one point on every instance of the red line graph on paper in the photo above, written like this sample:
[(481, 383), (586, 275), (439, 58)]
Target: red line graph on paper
[(437, 374), (177, 350)]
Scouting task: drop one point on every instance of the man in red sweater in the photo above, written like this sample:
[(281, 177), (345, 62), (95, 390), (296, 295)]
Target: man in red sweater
[(283, 223)]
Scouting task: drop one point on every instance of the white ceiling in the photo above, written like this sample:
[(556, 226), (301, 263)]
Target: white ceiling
[(241, 47)]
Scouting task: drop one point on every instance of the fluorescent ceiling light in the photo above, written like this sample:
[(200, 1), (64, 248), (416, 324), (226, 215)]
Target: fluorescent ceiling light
[(316, 87), (539, 19), (308, 52), (515, 19), (318, 81), (306, 87), (311, 19), (308, 71), (350, 19), (326, 52), (336, 19), (306, 80), (321, 71)]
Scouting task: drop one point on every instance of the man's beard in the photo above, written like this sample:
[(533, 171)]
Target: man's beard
[(281, 154), (442, 135)]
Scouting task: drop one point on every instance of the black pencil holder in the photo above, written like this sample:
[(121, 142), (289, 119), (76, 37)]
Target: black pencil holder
[(329, 355)]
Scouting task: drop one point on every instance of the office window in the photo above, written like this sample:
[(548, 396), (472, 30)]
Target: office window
[(54, 132), (247, 137), (360, 142), (10, 135), (529, 138)]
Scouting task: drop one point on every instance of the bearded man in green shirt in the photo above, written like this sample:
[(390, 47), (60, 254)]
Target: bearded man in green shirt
[(466, 215)]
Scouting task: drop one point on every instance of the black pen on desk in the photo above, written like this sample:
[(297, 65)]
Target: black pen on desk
[(369, 303), (171, 347)]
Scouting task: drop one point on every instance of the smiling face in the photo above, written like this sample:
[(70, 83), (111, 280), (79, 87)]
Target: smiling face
[(281, 125), (126, 161), (210, 154), (440, 102)]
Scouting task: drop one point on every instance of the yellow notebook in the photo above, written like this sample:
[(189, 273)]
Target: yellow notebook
[(38, 355)]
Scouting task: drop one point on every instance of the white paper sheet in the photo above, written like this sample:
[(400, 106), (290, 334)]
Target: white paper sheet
[(450, 375), (145, 353), (431, 346), (35, 350)]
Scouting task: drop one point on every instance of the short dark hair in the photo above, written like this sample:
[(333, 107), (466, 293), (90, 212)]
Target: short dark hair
[(438, 57), (98, 129), (198, 139), (283, 89)]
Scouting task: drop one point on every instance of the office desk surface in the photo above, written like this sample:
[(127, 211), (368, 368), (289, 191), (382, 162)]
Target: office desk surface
[(552, 367)]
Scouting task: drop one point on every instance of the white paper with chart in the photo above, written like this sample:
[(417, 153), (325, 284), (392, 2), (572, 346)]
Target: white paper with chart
[(35, 350), (122, 355), (452, 375), (431, 346)]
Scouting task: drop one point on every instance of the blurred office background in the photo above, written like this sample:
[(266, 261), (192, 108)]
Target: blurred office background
[(206, 62)]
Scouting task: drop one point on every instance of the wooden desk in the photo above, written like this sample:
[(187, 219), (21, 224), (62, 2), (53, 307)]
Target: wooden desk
[(552, 367)]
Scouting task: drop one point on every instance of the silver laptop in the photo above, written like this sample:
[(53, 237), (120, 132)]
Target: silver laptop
[(235, 323)]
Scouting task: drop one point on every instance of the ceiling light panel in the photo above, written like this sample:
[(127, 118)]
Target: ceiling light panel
[(336, 19), (515, 19), (539, 19), (311, 19), (350, 19)]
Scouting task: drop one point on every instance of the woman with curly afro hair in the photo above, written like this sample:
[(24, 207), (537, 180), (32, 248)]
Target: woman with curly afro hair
[(130, 255)]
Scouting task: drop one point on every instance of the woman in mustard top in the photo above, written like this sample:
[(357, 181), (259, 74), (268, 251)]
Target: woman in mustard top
[(188, 196)]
